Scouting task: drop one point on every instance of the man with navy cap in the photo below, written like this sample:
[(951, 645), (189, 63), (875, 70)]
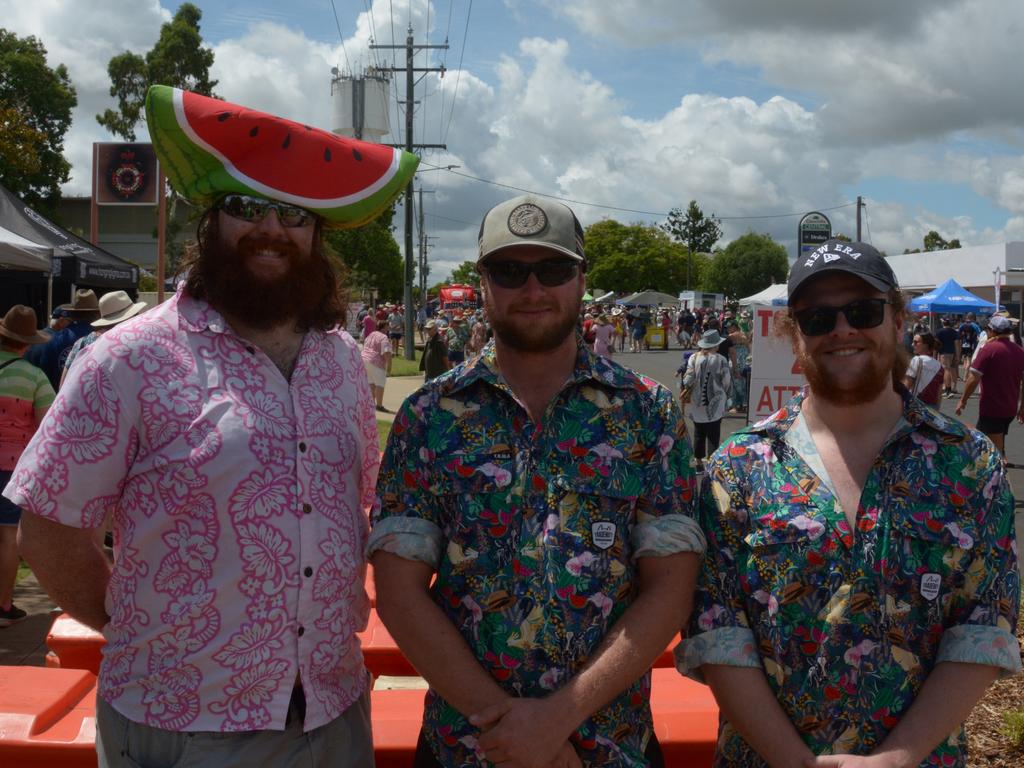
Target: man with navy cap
[(860, 589), (550, 491)]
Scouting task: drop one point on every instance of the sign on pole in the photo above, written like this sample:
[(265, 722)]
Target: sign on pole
[(813, 230), (775, 375), (125, 174)]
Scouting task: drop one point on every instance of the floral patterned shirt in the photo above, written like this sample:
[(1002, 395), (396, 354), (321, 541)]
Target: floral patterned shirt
[(847, 623), (535, 529), (239, 503)]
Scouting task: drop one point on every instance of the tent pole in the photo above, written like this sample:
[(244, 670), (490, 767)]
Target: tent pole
[(49, 296)]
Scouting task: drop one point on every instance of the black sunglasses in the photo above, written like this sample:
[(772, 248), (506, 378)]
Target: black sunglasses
[(514, 274), (860, 314), (255, 209)]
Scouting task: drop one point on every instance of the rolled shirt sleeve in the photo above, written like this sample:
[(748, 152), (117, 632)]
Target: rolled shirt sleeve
[(986, 606), (719, 631)]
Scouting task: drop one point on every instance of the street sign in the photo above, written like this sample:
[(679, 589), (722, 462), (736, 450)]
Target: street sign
[(813, 230)]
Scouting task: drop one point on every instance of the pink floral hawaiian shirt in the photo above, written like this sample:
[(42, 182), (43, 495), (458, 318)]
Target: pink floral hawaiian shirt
[(239, 503)]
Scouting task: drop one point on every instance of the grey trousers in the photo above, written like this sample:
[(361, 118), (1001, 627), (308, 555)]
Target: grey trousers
[(345, 742)]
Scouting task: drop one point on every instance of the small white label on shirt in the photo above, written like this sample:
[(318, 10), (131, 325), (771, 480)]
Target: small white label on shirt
[(603, 534), (930, 585)]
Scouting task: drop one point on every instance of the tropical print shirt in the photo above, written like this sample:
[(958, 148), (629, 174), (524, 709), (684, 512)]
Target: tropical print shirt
[(847, 622), (239, 503), (535, 529)]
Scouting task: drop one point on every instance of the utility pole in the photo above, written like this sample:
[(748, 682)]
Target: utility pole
[(860, 204), (422, 270), (410, 103)]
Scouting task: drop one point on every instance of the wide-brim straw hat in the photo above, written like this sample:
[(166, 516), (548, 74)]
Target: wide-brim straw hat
[(116, 307), (709, 339), (19, 324)]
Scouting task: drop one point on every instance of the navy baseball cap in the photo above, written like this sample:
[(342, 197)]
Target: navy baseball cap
[(858, 259)]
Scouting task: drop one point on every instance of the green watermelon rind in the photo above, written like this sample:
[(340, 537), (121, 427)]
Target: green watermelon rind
[(203, 175)]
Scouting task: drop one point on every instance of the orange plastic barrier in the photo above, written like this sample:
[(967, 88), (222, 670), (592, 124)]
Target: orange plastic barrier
[(397, 716), (685, 718), (47, 717), (380, 651), (666, 659), (74, 645)]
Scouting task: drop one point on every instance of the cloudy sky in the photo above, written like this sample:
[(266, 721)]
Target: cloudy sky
[(758, 110)]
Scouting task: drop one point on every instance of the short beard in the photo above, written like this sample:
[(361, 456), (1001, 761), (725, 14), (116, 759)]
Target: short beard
[(534, 340), (885, 368), (220, 276)]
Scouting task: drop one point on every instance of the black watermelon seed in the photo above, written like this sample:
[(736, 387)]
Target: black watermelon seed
[(223, 116), (327, 154), (254, 131), (307, 128), (287, 141), (356, 155)]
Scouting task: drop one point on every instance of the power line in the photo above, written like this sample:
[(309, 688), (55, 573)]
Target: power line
[(337, 23), (465, 34), (624, 210), (444, 63)]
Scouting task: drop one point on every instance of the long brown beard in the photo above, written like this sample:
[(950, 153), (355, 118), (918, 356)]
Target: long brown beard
[(533, 339), (232, 289), (886, 366)]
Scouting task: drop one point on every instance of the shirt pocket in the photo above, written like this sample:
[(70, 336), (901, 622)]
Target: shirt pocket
[(786, 565), (924, 562), (588, 539), (478, 517)]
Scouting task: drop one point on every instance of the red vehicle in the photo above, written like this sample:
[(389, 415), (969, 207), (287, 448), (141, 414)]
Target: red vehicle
[(459, 297)]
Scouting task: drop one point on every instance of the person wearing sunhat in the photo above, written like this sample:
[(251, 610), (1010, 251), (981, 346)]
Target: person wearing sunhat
[(231, 432), (25, 396), (52, 354), (115, 307), (550, 490), (709, 382)]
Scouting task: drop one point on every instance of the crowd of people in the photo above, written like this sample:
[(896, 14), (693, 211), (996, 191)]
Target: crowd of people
[(843, 573)]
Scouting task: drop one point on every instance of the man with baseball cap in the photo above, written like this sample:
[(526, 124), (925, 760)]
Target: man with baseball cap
[(550, 492), (230, 432), (860, 589), (998, 366)]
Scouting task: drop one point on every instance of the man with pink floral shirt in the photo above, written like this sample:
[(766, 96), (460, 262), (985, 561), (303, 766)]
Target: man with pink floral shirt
[(230, 432)]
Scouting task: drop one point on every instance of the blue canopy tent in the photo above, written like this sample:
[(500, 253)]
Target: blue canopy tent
[(950, 297)]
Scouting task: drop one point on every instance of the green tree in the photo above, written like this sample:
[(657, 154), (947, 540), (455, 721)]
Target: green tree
[(372, 258), (933, 241), (747, 265), (633, 257), (35, 113), (465, 274), (178, 59), (693, 229)]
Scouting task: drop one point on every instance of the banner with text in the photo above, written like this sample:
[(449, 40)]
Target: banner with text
[(775, 375)]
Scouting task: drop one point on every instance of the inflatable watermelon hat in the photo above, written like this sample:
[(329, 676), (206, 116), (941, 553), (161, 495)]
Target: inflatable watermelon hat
[(209, 148)]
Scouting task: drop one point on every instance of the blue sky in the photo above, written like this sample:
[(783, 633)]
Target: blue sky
[(751, 108)]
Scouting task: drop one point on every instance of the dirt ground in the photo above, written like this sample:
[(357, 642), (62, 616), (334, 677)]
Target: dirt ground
[(988, 747)]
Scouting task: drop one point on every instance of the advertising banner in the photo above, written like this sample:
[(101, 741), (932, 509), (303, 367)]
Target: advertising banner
[(775, 375), (813, 230)]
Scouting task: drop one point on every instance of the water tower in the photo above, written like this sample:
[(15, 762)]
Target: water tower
[(359, 105)]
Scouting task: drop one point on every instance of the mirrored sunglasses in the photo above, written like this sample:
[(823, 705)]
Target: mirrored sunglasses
[(860, 314), (514, 274), (255, 209)]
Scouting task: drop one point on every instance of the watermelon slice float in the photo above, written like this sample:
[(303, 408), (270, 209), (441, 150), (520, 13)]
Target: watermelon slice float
[(210, 148)]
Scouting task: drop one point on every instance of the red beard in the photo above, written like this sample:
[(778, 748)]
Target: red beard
[(884, 367)]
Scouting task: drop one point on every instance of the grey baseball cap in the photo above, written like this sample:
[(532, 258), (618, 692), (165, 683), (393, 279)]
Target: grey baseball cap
[(531, 220), (859, 259)]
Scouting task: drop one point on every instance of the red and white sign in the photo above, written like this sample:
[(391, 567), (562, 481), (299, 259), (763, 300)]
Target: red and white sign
[(775, 375)]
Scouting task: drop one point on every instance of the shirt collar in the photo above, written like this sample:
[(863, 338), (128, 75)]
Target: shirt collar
[(915, 415)]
